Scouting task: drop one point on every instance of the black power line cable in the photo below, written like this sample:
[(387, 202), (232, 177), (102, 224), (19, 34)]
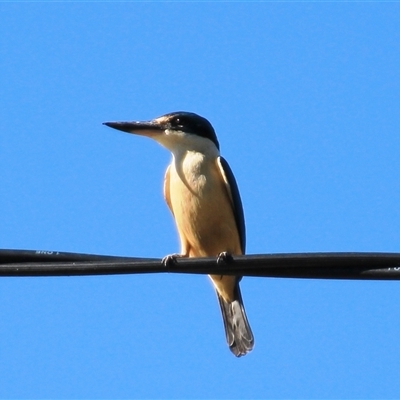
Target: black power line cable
[(379, 266)]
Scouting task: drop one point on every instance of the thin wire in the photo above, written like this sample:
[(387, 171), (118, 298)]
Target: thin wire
[(362, 266)]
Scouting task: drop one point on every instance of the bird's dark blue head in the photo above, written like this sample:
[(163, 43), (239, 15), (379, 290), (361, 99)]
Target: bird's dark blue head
[(180, 121), (189, 123)]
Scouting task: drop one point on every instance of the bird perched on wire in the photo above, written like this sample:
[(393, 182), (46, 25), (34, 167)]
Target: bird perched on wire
[(201, 192)]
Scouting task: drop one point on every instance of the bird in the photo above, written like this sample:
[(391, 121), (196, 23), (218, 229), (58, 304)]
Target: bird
[(203, 196)]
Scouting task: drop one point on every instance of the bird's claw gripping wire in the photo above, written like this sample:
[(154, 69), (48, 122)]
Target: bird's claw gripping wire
[(170, 260), (224, 258)]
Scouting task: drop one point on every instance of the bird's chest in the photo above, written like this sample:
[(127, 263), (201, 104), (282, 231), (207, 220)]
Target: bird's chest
[(192, 176), (202, 208), (195, 187)]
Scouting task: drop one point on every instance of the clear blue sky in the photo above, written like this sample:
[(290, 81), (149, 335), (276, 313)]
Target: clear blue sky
[(305, 101)]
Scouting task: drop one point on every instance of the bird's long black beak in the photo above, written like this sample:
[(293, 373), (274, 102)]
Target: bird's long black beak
[(145, 128)]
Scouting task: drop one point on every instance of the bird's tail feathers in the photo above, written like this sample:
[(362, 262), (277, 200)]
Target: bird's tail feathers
[(237, 329)]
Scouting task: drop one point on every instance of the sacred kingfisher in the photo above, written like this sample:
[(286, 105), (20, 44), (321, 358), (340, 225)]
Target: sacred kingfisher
[(201, 192)]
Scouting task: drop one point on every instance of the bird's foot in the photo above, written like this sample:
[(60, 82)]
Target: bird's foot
[(170, 260), (224, 258)]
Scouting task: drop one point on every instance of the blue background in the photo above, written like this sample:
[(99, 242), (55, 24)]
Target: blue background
[(305, 101)]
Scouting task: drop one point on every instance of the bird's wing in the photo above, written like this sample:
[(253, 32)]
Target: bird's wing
[(167, 189), (233, 192)]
